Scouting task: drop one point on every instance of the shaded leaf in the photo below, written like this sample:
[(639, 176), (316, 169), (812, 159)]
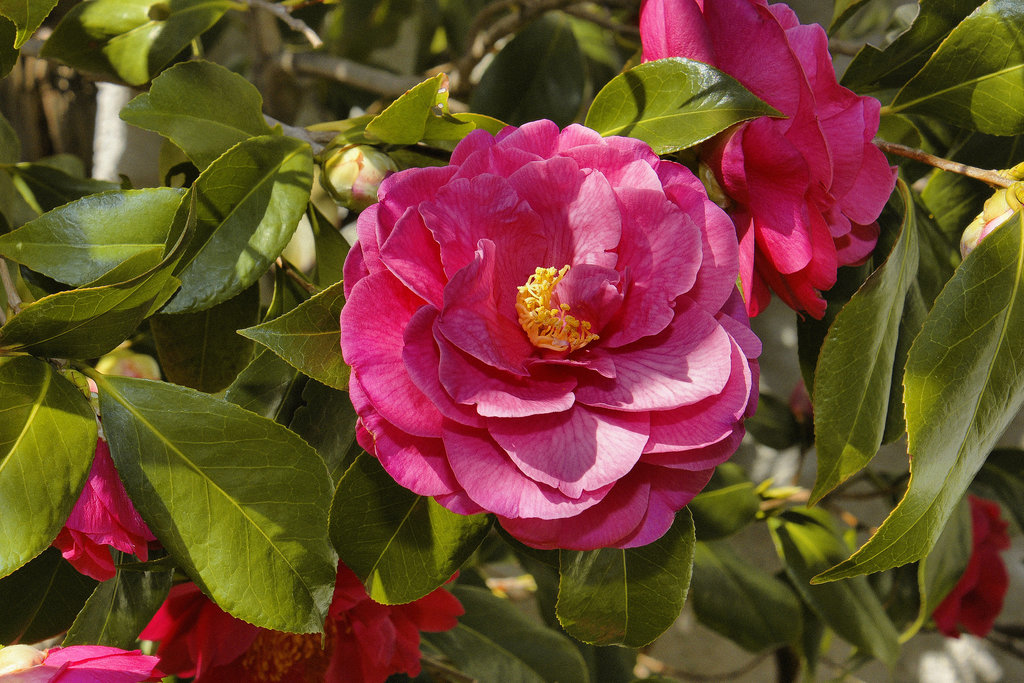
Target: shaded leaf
[(401, 545), (672, 104), (727, 504), (331, 249), (41, 599), (327, 422), (10, 145), (626, 596), (268, 386), (843, 10), (44, 186), (47, 441), (26, 15), (961, 389), (239, 501), (8, 53), (1002, 478), (774, 423)]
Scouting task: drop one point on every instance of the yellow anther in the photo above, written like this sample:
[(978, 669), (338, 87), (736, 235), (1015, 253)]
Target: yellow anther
[(550, 328)]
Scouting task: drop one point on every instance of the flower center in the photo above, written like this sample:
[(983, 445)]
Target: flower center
[(550, 328), (274, 654)]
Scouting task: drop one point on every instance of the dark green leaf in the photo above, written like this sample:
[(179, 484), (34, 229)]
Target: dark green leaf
[(807, 542), (855, 367), (202, 108), (27, 16), (269, 387), (774, 424), (962, 388), (202, 350), (81, 241), (496, 641), (47, 441), (46, 187), (672, 104), (539, 74), (130, 40), (8, 53), (401, 545), (1002, 478), (10, 145), (331, 249), (742, 602), (726, 505), (239, 501), (120, 608), (249, 202), (627, 597), (327, 423), (309, 337), (984, 92), (41, 599), (843, 10)]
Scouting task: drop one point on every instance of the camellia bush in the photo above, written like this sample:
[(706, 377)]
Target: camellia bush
[(430, 343)]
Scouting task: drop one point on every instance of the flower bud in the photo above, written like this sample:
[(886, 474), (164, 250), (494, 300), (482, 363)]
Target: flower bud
[(19, 657), (352, 174), (126, 363), (998, 209)]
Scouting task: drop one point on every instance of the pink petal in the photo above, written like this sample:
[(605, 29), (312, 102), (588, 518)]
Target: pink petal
[(674, 28)]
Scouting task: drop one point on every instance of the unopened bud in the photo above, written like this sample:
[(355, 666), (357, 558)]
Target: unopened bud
[(998, 209), (19, 657), (352, 174), (712, 186), (125, 363)]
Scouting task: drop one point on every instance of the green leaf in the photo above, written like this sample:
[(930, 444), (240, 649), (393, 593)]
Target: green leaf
[(239, 501), (496, 641), (10, 145), (120, 608), (855, 366), (47, 441), (40, 600), (8, 53), (807, 542), (249, 202), (843, 10), (401, 545), (727, 504), (331, 248), (774, 423), (626, 596), (984, 92), (672, 104), (27, 16), (309, 337), (269, 387), (130, 40), (202, 350), (874, 69), (46, 187), (742, 602), (1002, 478), (81, 241), (327, 422), (961, 389), (539, 74), (405, 121), (202, 108)]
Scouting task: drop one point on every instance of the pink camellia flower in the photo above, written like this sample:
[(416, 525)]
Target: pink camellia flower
[(103, 518), (76, 664), (549, 329), (977, 599), (365, 641), (805, 190)]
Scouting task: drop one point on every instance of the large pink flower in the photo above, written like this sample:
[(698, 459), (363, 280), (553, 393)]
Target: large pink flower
[(549, 329), (806, 189), (103, 518), (76, 664)]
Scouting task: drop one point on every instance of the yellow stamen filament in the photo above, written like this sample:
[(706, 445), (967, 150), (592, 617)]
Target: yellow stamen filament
[(547, 327)]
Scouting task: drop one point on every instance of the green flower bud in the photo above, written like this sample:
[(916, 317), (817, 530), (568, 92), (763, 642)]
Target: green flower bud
[(999, 208), (352, 174)]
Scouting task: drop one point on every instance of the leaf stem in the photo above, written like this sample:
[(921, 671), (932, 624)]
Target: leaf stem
[(993, 178), (298, 277)]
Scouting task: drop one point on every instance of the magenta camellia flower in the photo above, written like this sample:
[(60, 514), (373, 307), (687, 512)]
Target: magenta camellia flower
[(549, 329), (103, 518), (804, 190), (76, 664)]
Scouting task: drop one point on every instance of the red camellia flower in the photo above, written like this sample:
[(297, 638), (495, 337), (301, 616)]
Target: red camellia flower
[(76, 664), (805, 190), (549, 329), (103, 518), (977, 599), (365, 641)]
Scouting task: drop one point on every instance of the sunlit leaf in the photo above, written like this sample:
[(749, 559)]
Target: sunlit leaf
[(27, 16)]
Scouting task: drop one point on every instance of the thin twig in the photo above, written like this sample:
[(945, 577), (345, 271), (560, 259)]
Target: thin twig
[(298, 277), (660, 668), (13, 298), (990, 177), (317, 139), (439, 668), (294, 23), (603, 21), (345, 71)]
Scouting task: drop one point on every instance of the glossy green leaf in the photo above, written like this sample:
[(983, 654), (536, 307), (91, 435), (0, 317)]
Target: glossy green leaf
[(79, 242), (268, 386), (41, 599), (130, 40), (10, 145), (249, 202), (1002, 479), (539, 74), (405, 121), (727, 504), (807, 542), (855, 366), (327, 422), (239, 501), (309, 337), (672, 104), (742, 602), (120, 608), (961, 389), (401, 545), (202, 350), (27, 16), (843, 10), (45, 186), (984, 92), (874, 69), (495, 641), (47, 440), (202, 108), (626, 597)]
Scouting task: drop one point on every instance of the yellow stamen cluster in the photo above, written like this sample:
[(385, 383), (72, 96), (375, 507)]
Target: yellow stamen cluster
[(550, 328), (273, 654)]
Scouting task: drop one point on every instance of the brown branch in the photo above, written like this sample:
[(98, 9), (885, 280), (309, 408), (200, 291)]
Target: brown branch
[(992, 178), (345, 71), (298, 277), (294, 23)]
